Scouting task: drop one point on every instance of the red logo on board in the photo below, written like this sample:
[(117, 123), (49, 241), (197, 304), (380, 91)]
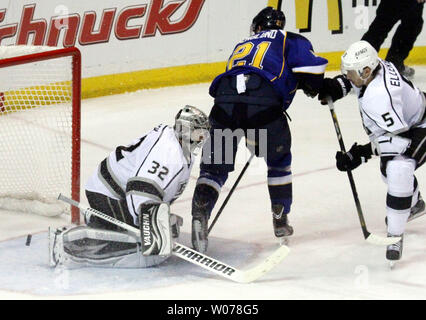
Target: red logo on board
[(90, 28)]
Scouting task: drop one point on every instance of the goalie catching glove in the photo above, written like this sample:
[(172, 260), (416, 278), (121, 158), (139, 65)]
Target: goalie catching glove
[(157, 227), (354, 157)]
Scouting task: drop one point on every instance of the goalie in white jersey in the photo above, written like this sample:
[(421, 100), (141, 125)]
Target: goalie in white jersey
[(393, 115), (134, 184)]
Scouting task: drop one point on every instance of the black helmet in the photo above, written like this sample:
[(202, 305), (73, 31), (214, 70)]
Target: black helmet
[(269, 18)]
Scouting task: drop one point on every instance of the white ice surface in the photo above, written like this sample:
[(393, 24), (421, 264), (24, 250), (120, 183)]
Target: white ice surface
[(329, 257)]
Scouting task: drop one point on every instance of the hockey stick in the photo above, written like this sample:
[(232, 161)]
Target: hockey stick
[(193, 256), (369, 237), (230, 193)]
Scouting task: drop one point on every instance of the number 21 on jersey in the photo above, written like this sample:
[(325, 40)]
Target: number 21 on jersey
[(248, 52)]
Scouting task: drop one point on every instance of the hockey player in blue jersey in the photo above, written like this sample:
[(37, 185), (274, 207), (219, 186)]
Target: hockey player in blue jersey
[(262, 76)]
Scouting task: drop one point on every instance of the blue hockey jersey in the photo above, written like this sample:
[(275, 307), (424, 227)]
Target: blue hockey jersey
[(283, 58)]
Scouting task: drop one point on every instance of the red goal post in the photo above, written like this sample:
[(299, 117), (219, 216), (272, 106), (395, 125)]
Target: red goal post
[(40, 111)]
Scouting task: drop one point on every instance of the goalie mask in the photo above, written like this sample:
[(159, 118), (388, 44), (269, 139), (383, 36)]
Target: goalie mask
[(192, 128), (268, 19)]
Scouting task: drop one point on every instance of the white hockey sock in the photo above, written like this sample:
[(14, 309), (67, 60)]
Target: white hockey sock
[(397, 219), (400, 180)]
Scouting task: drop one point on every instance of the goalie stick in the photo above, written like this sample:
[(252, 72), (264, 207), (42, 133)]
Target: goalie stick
[(368, 236), (196, 257)]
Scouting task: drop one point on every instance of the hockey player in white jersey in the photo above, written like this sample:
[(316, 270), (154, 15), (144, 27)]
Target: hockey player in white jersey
[(393, 114), (135, 184)]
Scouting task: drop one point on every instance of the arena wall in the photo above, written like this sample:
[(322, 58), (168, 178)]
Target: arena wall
[(129, 45)]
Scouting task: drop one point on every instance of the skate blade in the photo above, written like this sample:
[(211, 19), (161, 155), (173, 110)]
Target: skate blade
[(418, 215), (283, 241), (392, 264)]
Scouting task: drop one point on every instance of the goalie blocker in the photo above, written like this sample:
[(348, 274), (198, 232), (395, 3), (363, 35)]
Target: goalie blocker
[(155, 230)]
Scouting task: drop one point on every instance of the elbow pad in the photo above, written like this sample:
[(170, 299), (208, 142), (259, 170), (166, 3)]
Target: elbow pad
[(390, 146)]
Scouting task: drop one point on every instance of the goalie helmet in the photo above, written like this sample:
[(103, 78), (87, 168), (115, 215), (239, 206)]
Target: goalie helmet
[(359, 56), (192, 128), (268, 19)]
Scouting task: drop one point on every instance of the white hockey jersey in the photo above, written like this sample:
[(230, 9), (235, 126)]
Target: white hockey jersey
[(151, 169), (390, 105)]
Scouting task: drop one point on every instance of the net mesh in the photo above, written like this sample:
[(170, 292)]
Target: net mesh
[(35, 133)]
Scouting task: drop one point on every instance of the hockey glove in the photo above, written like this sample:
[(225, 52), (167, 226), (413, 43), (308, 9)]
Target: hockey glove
[(354, 157), (310, 83), (308, 90), (336, 88)]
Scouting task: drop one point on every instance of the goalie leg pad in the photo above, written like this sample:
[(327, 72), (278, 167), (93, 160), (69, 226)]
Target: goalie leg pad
[(88, 247), (156, 233)]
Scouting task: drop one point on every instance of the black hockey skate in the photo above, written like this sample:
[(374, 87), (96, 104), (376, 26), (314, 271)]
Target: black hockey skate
[(200, 233), (394, 251), (205, 197), (280, 222)]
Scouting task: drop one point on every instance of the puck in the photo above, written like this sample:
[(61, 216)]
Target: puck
[(27, 243)]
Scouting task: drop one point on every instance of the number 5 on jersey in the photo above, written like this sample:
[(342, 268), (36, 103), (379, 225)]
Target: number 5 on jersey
[(388, 119)]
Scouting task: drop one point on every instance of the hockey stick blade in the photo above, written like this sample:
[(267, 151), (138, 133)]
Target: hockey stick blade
[(382, 241), (274, 259), (195, 257), (227, 271)]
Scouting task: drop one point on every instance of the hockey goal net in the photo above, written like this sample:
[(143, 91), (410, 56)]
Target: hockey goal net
[(40, 94)]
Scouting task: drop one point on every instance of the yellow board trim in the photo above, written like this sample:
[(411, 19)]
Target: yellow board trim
[(195, 73), (150, 79)]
